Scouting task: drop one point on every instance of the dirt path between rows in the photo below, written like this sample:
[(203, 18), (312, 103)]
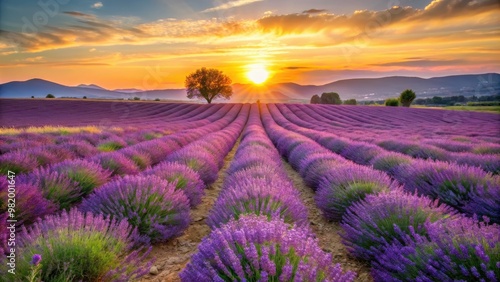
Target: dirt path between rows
[(327, 232), (172, 257)]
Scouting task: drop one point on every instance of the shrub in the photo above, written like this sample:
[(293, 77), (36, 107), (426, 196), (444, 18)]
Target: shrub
[(255, 249), (392, 102), (201, 162), (30, 204), (151, 204), (157, 149), (448, 182), (258, 196), (268, 172), (313, 171), (484, 202), (88, 175), (157, 99), (361, 153), (350, 102), (78, 247), (81, 149), (84, 97), (490, 163), (55, 187), (455, 250), (184, 179), (18, 162), (344, 185), (140, 158), (111, 144), (117, 163), (50, 96), (384, 218), (407, 97), (389, 162)]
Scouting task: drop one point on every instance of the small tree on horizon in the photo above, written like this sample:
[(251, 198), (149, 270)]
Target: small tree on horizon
[(392, 102), (407, 97), (50, 96), (350, 102), (331, 98), (208, 84), (315, 99)]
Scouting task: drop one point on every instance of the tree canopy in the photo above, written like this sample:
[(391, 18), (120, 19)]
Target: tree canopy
[(315, 99), (208, 84), (331, 98), (407, 97)]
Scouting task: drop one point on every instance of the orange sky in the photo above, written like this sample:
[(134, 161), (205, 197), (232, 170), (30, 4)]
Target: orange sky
[(312, 46)]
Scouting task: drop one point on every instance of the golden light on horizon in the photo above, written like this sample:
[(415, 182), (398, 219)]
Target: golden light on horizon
[(257, 73)]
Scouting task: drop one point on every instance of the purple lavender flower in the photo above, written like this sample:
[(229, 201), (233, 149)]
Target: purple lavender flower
[(343, 185), (117, 163), (258, 196), (184, 179), (88, 175), (448, 182), (485, 202), (140, 158), (253, 248), (381, 219), (157, 149), (18, 162), (389, 162), (154, 206), (361, 153), (37, 258), (201, 162), (461, 249), (54, 186), (74, 237)]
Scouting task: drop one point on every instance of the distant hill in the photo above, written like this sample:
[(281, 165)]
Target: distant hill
[(360, 88), (92, 86)]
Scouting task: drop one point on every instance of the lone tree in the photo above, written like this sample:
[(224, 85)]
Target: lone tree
[(50, 96), (331, 98), (407, 97), (315, 99), (208, 84)]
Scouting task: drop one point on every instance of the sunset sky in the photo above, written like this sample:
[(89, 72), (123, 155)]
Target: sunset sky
[(154, 44)]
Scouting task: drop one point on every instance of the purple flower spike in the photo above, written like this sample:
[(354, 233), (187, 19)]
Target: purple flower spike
[(154, 206), (253, 248), (37, 258)]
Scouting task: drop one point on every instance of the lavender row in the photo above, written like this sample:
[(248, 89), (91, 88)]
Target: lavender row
[(468, 189), (380, 225), (251, 237), (487, 162)]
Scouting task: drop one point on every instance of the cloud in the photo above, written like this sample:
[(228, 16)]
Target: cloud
[(314, 11), (96, 5), (417, 62), (78, 14), (230, 5)]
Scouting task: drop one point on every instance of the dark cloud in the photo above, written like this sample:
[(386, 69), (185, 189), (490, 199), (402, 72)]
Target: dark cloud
[(78, 14), (295, 68), (314, 11)]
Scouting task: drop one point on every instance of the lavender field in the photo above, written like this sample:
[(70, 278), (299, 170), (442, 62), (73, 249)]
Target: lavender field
[(123, 191)]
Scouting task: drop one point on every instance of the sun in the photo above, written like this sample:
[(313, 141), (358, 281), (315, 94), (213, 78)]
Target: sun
[(257, 73)]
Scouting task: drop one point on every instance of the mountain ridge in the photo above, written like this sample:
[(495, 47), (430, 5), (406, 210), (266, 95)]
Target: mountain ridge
[(358, 88)]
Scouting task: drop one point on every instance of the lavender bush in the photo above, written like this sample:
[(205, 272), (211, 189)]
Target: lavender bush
[(450, 183), (79, 247), (255, 249), (184, 179), (462, 249), (154, 206), (117, 163), (260, 197), (381, 219), (201, 162), (88, 175), (389, 162), (344, 185)]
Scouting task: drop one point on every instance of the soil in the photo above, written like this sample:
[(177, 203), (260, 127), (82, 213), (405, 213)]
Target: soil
[(172, 257)]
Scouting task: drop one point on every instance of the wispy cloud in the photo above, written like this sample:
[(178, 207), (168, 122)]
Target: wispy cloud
[(229, 5), (96, 5)]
